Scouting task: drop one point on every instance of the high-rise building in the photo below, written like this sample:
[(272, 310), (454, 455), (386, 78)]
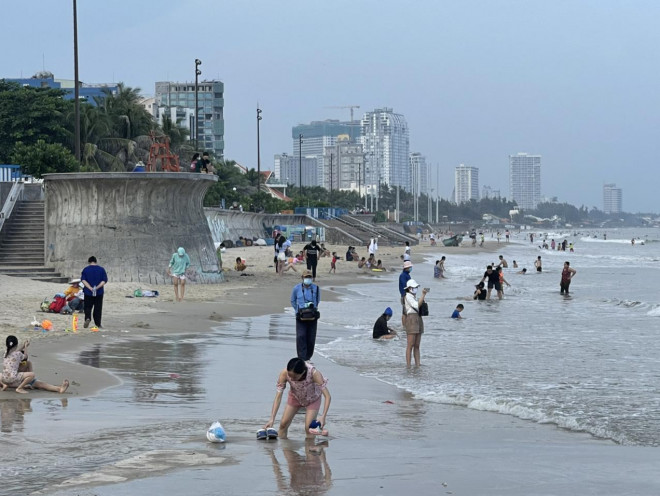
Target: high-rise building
[(612, 199), (466, 184), (525, 180), (178, 101), (386, 143), (419, 174), (343, 165), (288, 168), (319, 134)]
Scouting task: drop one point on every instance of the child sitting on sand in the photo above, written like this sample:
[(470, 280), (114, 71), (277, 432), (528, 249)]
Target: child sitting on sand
[(17, 370)]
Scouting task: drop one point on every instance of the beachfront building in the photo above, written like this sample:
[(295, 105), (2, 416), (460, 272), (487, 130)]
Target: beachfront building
[(612, 199), (419, 174), (525, 180), (318, 135), (288, 168), (386, 143), (89, 93), (343, 165), (466, 184), (178, 101)]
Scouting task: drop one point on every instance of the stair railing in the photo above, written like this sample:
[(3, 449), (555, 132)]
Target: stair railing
[(15, 195)]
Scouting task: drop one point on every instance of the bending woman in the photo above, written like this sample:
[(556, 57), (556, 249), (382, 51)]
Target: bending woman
[(17, 370), (307, 387)]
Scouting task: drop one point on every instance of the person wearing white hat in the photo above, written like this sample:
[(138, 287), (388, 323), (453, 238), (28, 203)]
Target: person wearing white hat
[(413, 321), (404, 277)]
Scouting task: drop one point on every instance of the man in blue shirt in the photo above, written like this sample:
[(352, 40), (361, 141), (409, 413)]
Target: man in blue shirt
[(305, 299), (404, 277), (93, 278)]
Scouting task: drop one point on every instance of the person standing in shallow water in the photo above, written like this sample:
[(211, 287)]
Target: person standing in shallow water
[(179, 263), (94, 278), (305, 298), (566, 276)]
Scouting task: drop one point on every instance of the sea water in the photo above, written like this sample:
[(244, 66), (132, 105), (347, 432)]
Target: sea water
[(588, 362)]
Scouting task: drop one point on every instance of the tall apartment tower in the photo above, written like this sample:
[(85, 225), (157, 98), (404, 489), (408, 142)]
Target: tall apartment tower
[(288, 169), (343, 165), (525, 180), (386, 143), (317, 135), (466, 184), (178, 101), (419, 174), (612, 199)]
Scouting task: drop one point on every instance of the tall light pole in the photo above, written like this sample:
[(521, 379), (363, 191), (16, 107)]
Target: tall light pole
[(76, 91), (197, 74), (258, 151), (300, 137)]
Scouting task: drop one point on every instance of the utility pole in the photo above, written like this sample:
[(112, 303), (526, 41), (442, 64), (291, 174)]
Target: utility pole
[(258, 151), (197, 74), (397, 203), (76, 81), (300, 141)]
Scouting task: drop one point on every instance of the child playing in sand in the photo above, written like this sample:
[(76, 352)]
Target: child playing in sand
[(333, 263), (307, 387), (17, 370)]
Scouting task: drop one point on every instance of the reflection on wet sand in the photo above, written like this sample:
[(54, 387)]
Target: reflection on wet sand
[(12, 413), (161, 370), (308, 474)]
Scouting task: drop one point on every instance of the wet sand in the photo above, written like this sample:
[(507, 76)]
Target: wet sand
[(141, 428)]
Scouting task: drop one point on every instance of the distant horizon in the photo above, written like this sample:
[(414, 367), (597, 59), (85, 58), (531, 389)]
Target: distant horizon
[(477, 81)]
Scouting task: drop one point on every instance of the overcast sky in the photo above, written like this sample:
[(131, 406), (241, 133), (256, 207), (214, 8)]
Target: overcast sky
[(574, 81)]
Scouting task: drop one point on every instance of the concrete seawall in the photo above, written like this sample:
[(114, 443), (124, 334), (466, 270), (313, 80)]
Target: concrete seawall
[(131, 222), (231, 224)]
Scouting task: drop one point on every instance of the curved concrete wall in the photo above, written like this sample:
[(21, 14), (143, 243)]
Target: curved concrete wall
[(231, 224), (132, 222)]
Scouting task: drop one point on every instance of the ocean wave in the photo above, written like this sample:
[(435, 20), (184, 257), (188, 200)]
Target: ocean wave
[(525, 412), (638, 305), (619, 241)]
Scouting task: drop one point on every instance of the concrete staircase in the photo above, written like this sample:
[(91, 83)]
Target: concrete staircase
[(22, 245)]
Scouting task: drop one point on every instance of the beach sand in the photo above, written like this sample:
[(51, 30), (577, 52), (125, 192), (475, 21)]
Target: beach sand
[(383, 441)]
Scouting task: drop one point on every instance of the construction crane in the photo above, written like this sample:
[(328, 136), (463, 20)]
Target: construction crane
[(347, 107)]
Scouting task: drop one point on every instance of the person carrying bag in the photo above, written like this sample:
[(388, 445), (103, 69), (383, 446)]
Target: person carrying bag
[(305, 299)]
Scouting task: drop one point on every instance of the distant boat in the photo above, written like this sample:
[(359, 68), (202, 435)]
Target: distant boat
[(453, 241)]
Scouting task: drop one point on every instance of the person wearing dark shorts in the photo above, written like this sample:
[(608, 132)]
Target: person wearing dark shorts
[(537, 264), (493, 282), (311, 254), (566, 275)]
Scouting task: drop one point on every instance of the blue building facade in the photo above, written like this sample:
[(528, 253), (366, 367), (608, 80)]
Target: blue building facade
[(88, 92)]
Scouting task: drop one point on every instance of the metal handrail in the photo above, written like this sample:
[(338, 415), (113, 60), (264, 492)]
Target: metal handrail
[(15, 195)]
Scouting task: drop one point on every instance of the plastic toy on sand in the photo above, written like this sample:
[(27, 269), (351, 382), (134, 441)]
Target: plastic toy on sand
[(216, 433), (317, 429)]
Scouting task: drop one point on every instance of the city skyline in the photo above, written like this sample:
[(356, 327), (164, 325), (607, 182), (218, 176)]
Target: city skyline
[(513, 84)]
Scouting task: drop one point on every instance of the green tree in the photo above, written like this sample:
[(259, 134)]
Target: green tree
[(28, 115), (42, 158)]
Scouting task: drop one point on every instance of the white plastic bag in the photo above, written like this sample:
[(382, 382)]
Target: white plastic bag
[(216, 433)]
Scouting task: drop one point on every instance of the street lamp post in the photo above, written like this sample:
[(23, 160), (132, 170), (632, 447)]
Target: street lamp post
[(258, 151), (300, 141), (76, 81), (198, 72)]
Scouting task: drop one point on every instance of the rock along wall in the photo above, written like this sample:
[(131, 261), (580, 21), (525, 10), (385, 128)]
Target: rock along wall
[(132, 222)]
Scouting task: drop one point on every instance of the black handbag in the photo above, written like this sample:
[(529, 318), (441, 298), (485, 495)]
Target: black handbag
[(423, 309), (308, 313)]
